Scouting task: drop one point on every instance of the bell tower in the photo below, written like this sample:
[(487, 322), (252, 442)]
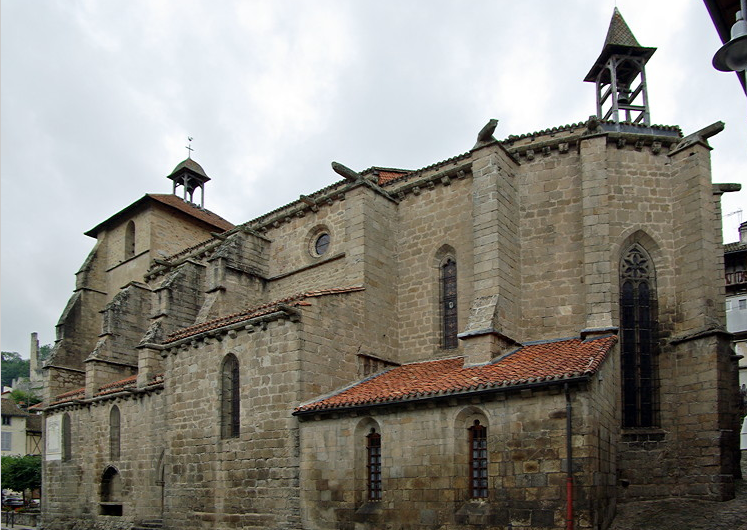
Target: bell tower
[(620, 76), (190, 175)]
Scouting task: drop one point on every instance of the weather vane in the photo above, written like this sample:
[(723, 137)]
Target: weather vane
[(189, 147)]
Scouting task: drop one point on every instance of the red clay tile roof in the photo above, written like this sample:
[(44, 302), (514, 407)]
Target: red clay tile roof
[(172, 201), (72, 395), (108, 388), (265, 309), (117, 386), (195, 211), (533, 363)]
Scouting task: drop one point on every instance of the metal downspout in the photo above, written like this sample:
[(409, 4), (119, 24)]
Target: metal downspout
[(569, 460)]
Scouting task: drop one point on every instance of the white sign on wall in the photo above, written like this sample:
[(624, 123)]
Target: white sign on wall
[(54, 438)]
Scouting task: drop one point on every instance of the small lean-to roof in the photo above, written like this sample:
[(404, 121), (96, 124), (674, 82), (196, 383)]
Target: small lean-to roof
[(171, 201), (536, 363), (9, 408), (737, 246), (34, 423), (254, 312)]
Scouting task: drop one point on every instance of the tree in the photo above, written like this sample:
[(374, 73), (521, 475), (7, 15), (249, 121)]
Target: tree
[(21, 473), (24, 399), (13, 367), (44, 352)]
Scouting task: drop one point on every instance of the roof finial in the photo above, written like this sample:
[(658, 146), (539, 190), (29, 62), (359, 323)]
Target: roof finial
[(189, 147)]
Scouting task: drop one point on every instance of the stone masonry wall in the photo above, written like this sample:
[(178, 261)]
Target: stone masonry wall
[(432, 224), (72, 489), (245, 482), (425, 465)]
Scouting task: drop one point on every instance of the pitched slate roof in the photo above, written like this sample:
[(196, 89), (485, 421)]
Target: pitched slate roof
[(9, 408), (265, 309), (541, 362)]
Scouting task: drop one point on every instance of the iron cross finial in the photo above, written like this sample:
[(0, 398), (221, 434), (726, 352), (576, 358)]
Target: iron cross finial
[(189, 147)]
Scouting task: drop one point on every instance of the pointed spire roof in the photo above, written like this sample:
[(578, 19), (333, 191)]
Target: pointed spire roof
[(619, 33), (619, 41)]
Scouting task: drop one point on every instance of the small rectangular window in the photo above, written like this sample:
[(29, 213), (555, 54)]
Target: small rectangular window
[(743, 303), (7, 441), (6, 420)]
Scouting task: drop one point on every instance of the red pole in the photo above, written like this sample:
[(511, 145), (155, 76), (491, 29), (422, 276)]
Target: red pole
[(569, 503)]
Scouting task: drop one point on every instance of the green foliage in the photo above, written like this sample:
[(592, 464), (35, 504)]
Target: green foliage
[(24, 399), (13, 367), (44, 352), (21, 473)]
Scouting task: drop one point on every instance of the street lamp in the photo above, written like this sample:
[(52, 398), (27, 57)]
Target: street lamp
[(732, 56)]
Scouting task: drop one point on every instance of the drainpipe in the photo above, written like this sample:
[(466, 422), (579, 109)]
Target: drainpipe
[(569, 461)]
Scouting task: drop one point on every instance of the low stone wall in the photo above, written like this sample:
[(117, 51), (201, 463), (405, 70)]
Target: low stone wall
[(25, 519)]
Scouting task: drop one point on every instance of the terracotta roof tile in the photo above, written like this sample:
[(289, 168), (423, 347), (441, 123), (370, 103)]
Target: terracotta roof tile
[(118, 386), (265, 309), (194, 211), (72, 395), (531, 363)]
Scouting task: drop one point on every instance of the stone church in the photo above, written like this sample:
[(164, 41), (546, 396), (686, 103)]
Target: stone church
[(520, 336)]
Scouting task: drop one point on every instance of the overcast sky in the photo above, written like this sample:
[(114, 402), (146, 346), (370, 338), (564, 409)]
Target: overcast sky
[(98, 98)]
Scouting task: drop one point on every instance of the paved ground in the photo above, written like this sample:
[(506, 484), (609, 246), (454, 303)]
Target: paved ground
[(686, 514)]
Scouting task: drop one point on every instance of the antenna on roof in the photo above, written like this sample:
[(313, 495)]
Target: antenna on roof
[(189, 147)]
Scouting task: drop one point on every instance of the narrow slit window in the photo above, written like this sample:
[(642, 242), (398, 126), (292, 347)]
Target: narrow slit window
[(478, 461), (373, 465), (449, 304), (230, 403), (114, 433), (66, 438)]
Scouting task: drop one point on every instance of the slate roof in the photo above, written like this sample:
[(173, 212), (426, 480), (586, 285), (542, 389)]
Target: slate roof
[(191, 165), (265, 309), (34, 423), (534, 363), (619, 40), (9, 408), (737, 246)]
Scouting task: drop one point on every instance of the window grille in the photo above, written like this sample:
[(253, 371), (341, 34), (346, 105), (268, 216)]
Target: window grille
[(638, 335), (478, 461), (449, 304), (373, 465), (230, 403)]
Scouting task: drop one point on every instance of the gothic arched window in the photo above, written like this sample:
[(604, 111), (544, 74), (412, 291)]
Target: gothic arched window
[(478, 461), (130, 240), (67, 442), (373, 465), (114, 433), (229, 397), (449, 326), (638, 321)]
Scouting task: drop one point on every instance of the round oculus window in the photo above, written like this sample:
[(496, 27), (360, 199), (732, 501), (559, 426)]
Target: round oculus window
[(321, 245)]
